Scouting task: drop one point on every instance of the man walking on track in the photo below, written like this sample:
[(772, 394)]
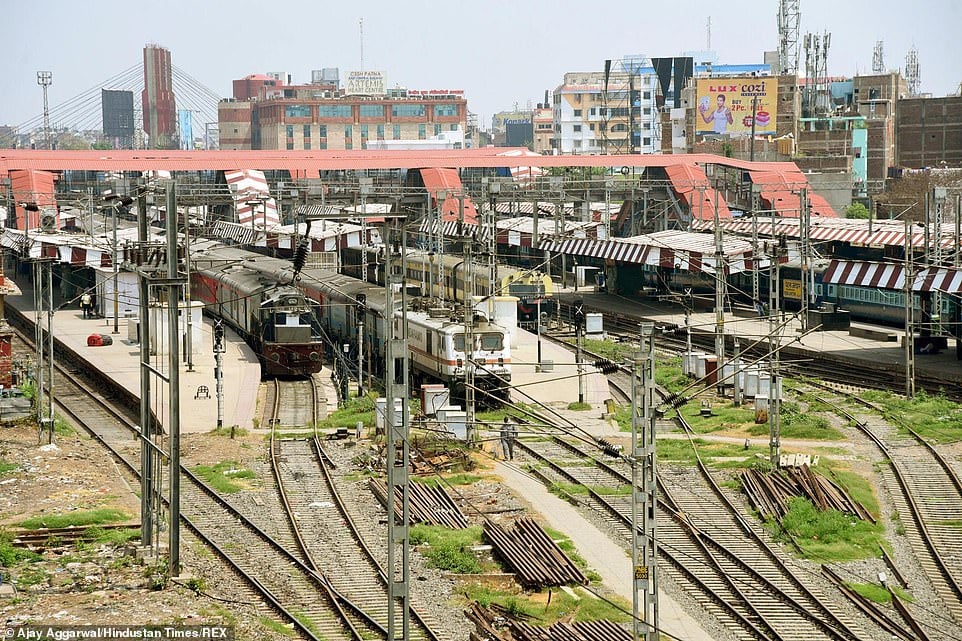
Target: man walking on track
[(509, 432)]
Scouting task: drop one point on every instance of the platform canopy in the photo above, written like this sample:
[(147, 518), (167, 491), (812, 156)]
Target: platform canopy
[(892, 276)]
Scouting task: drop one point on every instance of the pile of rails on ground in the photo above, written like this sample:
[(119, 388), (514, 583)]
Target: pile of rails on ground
[(428, 505), (494, 624), (535, 558), (770, 492)]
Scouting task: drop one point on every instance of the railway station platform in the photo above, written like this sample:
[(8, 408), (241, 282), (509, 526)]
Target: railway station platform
[(554, 387), (121, 361), (870, 346)]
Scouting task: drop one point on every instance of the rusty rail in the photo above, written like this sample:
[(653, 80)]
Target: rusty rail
[(428, 505), (533, 555)]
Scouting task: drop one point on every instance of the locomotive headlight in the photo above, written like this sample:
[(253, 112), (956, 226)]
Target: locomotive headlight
[(315, 356)]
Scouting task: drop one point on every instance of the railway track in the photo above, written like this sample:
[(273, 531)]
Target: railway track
[(324, 533), (925, 486), (278, 576)]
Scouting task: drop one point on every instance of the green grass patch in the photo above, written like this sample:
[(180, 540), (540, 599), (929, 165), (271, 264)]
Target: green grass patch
[(79, 518), (225, 477), (6, 467), (61, 427), (10, 554), (454, 479), (579, 407), (354, 410), (562, 606), (857, 486), (668, 374), (567, 490), (446, 547), (496, 416), (303, 619), (828, 535), (112, 536), (680, 451), (725, 417), (275, 626), (805, 425), (616, 352), (568, 547), (878, 594), (934, 417), (226, 431), (953, 523)]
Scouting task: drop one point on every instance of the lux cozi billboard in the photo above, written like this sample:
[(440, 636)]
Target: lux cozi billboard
[(725, 105)]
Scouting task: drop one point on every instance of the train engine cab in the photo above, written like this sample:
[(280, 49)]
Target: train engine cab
[(290, 334)]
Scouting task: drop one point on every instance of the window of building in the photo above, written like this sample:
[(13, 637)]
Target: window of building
[(646, 95), (454, 127), (577, 113), (348, 143), (348, 131), (322, 131), (364, 130), (422, 133), (619, 127), (577, 144), (380, 132), (437, 130), (372, 111), (297, 111), (593, 111), (408, 111), (307, 144), (290, 144), (397, 132), (445, 110), (307, 131), (335, 111), (646, 141), (290, 131), (592, 126), (577, 129)]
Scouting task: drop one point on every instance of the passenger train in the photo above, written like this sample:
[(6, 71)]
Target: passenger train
[(444, 276), (274, 318), (436, 336)]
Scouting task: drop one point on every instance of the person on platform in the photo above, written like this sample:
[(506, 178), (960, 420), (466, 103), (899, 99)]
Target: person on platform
[(86, 304), (720, 118)]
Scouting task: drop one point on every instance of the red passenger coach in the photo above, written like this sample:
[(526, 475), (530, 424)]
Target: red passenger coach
[(275, 318)]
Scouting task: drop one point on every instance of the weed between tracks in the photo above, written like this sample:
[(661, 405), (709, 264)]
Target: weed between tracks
[(935, 418), (225, 477), (877, 593), (446, 547), (547, 606), (828, 535), (80, 518)]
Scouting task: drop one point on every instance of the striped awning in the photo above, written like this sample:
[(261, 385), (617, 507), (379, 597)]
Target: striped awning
[(250, 190), (648, 250), (856, 232), (892, 276), (453, 229), (240, 234)]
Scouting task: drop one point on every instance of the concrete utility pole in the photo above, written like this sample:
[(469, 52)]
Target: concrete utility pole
[(150, 500), (644, 480), (219, 370), (775, 336), (396, 434)]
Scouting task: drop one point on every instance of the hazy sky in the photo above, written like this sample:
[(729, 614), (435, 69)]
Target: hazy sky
[(500, 52)]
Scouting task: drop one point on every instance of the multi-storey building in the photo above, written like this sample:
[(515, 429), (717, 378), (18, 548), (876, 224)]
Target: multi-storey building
[(543, 122), (929, 131), (307, 117), (590, 118)]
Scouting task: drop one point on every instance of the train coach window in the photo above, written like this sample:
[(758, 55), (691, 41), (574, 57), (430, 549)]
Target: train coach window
[(491, 342), (459, 342)]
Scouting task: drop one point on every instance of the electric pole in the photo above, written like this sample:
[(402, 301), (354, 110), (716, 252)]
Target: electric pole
[(396, 433), (644, 542), (45, 79), (909, 313), (719, 295)]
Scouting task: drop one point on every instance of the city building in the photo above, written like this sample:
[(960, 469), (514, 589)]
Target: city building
[(262, 115), (543, 123), (929, 132), (159, 107), (875, 98)]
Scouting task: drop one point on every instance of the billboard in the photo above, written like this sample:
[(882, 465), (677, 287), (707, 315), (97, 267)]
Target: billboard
[(365, 83), (725, 105), (117, 109)]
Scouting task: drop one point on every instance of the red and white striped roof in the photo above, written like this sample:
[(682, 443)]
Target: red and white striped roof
[(855, 232), (671, 249), (250, 185), (892, 276)]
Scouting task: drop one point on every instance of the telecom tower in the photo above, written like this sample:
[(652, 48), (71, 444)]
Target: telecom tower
[(878, 59), (789, 17), (913, 75), (815, 96)]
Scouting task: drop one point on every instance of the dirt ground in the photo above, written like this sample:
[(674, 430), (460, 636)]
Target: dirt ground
[(107, 582)]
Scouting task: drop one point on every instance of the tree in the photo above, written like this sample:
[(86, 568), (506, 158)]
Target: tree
[(856, 210)]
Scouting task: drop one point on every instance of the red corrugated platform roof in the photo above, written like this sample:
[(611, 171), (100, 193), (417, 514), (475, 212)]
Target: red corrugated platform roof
[(34, 187), (691, 184), (447, 182)]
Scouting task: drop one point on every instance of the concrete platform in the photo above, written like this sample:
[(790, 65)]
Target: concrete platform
[(865, 347), (557, 386), (121, 361)]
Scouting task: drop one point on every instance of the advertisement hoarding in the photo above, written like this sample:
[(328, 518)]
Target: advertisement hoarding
[(724, 105), (365, 83)]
